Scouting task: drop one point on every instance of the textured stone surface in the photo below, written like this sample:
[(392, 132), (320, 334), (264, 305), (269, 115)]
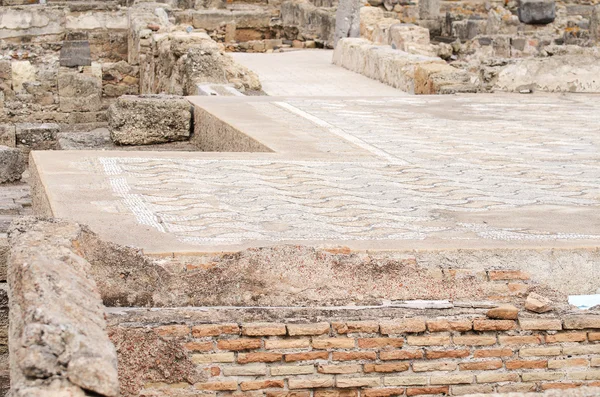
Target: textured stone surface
[(537, 11), (8, 135), (538, 303), (79, 92), (347, 20), (147, 119), (12, 164), (571, 72), (75, 53), (37, 136), (57, 328)]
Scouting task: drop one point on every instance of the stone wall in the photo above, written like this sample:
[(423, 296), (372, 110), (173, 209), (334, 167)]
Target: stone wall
[(34, 87), (57, 336), (275, 352), (412, 73)]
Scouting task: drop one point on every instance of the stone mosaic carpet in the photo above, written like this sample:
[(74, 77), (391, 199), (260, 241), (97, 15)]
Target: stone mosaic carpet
[(466, 171)]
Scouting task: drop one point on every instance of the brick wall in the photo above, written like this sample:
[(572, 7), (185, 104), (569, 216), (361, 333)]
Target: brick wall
[(408, 356)]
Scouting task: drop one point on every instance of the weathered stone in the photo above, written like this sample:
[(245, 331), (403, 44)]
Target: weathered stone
[(538, 303), (21, 72), (57, 317), (595, 23), (8, 135), (75, 53), (504, 312), (403, 34), (347, 20), (12, 164), (429, 9), (537, 11), (79, 92), (37, 136), (147, 119)]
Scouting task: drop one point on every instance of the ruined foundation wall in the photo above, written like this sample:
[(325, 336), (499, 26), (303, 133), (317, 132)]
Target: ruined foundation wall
[(371, 353)]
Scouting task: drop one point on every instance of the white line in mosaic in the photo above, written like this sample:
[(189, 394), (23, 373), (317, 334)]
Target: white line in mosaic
[(341, 133)]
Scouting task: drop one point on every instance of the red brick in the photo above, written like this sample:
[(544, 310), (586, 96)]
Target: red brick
[(526, 364), (336, 393), (264, 329), (566, 337), (365, 327), (548, 386), (521, 340), (508, 275), (434, 354), (442, 325), (199, 346), (176, 331), (387, 392), (288, 394), (333, 343), (400, 354), (308, 329), (350, 356), (402, 326), (199, 331), (373, 343), (261, 384), (493, 325), (428, 340), (518, 289), (474, 340), (395, 367), (568, 363), (239, 344), (292, 357), (340, 369), (244, 358), (481, 365), (419, 391), (217, 386), (594, 336), (493, 353)]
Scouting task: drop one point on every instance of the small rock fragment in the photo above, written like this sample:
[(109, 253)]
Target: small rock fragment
[(504, 312), (538, 303), (12, 164)]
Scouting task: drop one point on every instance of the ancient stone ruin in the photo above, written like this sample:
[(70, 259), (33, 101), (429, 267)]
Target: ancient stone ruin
[(299, 198)]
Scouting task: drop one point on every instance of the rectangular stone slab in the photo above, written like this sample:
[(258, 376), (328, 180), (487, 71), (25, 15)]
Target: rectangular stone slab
[(401, 173), (75, 53)]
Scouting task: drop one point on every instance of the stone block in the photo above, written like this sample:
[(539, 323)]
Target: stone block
[(8, 135), (22, 72), (347, 20), (429, 9), (436, 78), (37, 136), (595, 23), (148, 119), (75, 53), (12, 164), (537, 12), (402, 34), (79, 92), (214, 19), (33, 21)]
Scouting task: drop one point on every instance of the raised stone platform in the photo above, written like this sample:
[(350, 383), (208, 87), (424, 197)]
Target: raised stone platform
[(389, 173)]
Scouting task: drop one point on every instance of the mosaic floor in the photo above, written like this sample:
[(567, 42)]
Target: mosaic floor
[(421, 172)]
